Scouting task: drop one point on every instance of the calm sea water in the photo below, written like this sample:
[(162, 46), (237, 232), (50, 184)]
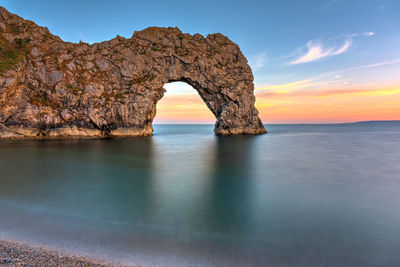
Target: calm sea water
[(302, 195)]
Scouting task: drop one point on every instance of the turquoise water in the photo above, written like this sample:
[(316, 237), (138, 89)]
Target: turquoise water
[(302, 195)]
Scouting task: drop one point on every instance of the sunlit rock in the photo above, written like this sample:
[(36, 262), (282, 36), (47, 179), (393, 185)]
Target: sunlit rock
[(51, 88)]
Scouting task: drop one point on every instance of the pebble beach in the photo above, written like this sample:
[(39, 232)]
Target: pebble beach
[(18, 254)]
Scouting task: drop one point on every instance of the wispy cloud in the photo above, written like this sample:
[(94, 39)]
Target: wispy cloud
[(334, 92), (338, 103), (326, 80), (368, 33), (316, 51), (367, 66), (344, 48), (258, 61), (307, 84), (286, 86)]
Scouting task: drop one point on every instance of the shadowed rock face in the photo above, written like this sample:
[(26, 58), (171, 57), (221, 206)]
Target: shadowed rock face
[(51, 88)]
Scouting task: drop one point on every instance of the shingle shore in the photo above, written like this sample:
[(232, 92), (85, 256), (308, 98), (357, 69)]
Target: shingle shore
[(17, 254)]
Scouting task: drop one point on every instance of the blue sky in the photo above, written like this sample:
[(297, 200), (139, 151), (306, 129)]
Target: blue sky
[(314, 43)]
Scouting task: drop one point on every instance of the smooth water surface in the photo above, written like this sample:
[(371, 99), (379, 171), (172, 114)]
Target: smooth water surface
[(302, 195)]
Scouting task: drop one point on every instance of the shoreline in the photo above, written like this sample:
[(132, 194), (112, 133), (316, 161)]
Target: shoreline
[(13, 253)]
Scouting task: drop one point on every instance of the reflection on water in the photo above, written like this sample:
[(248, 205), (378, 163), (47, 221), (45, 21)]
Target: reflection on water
[(230, 188), (302, 195)]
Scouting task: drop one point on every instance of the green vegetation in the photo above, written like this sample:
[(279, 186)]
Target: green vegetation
[(219, 65), (182, 51), (21, 43), (12, 53), (115, 93), (42, 99), (15, 28), (55, 58), (119, 96), (155, 47), (80, 81), (211, 52), (142, 80), (74, 89), (77, 86)]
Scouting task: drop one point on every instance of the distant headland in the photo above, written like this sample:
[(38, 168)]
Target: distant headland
[(371, 122), (51, 89)]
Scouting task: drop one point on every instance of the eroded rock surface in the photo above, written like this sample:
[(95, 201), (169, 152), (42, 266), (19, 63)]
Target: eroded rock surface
[(51, 88)]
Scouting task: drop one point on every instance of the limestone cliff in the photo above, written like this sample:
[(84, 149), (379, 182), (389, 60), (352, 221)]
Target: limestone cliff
[(52, 88)]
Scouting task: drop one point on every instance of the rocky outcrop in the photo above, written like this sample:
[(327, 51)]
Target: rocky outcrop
[(51, 88)]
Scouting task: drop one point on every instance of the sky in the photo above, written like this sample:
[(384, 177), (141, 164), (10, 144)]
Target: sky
[(324, 61)]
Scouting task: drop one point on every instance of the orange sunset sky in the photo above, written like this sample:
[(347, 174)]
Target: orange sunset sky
[(320, 100)]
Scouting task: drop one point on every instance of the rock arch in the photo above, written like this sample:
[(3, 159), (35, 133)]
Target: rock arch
[(111, 88)]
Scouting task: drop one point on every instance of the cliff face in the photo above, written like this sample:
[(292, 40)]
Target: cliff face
[(51, 88)]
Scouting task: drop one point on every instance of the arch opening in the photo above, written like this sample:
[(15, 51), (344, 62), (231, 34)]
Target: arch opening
[(182, 104)]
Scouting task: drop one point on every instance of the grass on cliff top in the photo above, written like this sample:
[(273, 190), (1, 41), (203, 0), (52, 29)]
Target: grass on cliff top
[(11, 53)]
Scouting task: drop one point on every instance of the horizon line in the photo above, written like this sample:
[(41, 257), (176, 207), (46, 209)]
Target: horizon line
[(300, 123)]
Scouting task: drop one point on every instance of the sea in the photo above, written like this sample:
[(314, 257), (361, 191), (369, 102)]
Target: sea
[(301, 195)]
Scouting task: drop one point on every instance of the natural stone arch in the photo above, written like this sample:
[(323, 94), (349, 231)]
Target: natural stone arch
[(112, 88), (216, 68)]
